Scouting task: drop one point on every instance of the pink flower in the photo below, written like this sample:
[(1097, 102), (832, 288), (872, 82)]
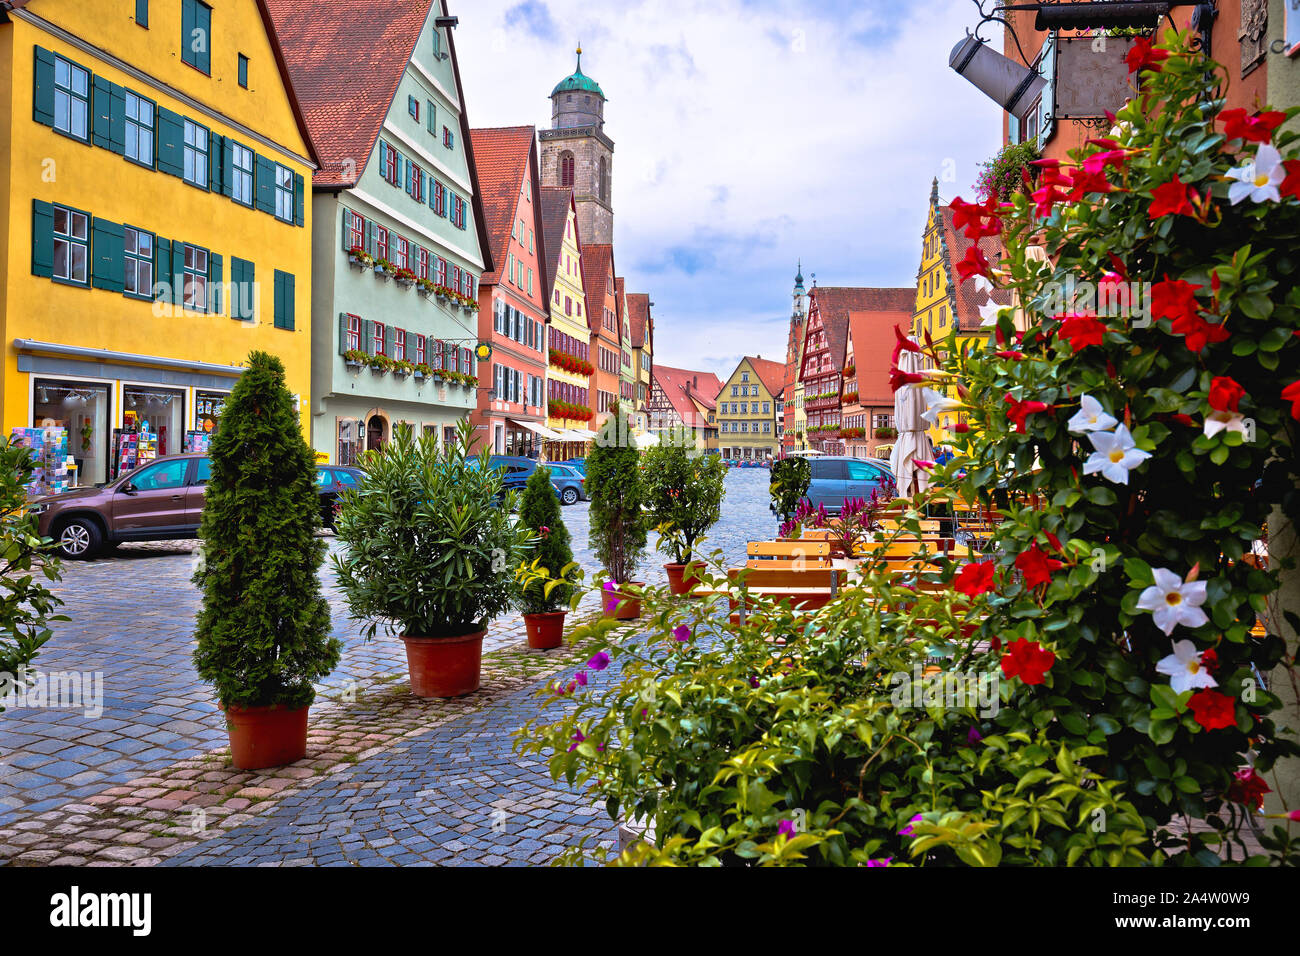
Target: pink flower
[(599, 662), (786, 829), (907, 830), (682, 633)]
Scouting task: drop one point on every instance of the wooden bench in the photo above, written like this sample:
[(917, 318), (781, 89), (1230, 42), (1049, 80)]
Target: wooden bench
[(789, 555)]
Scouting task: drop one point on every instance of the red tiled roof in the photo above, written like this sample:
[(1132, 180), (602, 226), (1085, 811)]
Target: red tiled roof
[(967, 299), (770, 373), (638, 314), (501, 158), (680, 384), (873, 347), (596, 261), (835, 303), (345, 69), (556, 202), (620, 307)]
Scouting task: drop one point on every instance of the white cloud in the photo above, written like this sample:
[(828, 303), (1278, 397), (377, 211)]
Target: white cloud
[(748, 135)]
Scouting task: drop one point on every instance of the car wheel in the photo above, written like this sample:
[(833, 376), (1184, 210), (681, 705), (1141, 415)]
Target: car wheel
[(570, 496), (79, 538)]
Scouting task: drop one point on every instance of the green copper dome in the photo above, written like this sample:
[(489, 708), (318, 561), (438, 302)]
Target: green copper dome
[(578, 82)]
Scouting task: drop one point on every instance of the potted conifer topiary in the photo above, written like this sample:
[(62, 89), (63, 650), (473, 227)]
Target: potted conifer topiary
[(429, 550), (683, 493), (264, 627), (544, 600), (618, 528)]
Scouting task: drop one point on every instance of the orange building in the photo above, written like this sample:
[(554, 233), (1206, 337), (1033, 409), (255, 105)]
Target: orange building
[(603, 318)]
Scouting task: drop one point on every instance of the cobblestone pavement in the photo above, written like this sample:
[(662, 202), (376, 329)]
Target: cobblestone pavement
[(132, 617)]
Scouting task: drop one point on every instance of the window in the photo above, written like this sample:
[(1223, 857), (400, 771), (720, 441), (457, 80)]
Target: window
[(448, 138), (196, 155), (243, 71), (71, 99), (419, 349), (137, 250), (352, 333), (356, 231), (195, 282), (377, 339), (735, 390), (283, 193), (416, 186), (243, 289), (439, 199), (422, 263), (441, 277), (413, 107), (139, 129), (241, 175), (401, 258), (430, 117), (399, 344), (566, 168), (388, 162), (381, 242), (285, 300), (196, 34), (164, 476), (437, 45), (71, 245)]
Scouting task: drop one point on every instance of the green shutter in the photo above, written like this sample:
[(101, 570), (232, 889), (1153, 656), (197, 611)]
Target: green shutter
[(142, 12), (299, 199), (1047, 105), (343, 332), (162, 263), (187, 30), (216, 171), (106, 251), (368, 337), (215, 293), (101, 112), (284, 300), (347, 231), (203, 21), (264, 184), (390, 334), (118, 121), (243, 289), (170, 142), (429, 118), (227, 167), (178, 271), (43, 94), (42, 239), (372, 237)]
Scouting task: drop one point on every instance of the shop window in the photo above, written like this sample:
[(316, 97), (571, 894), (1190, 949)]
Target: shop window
[(195, 282), (139, 129), (68, 419), (71, 245), (196, 155), (241, 174), (283, 193), (71, 99), (137, 256)]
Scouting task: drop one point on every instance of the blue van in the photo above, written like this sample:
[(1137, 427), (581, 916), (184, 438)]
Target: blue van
[(836, 477)]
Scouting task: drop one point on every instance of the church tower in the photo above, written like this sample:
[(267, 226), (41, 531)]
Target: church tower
[(576, 153)]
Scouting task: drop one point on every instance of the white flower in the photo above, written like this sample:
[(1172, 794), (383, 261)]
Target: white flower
[(1184, 669), (1218, 421), (1091, 417), (982, 284), (989, 313), (936, 403), (1258, 180), (1171, 602), (1115, 456)]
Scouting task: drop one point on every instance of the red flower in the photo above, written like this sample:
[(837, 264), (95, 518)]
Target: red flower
[(1046, 198), (1252, 129), (1213, 710), (973, 265), (1013, 356), (970, 217), (1225, 393), (1198, 332), (1144, 57), (1291, 185), (1174, 299), (975, 579), (1019, 411), (1036, 566), (1249, 788), (1097, 162), (1170, 199), (1028, 661), (1081, 331), (898, 378), (1087, 181), (1292, 394), (1210, 660)]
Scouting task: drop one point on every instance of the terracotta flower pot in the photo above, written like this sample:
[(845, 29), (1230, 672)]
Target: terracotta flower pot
[(444, 666), (268, 736), (622, 607), (677, 582), (545, 631)]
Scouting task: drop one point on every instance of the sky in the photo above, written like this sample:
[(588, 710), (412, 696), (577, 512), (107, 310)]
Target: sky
[(749, 134)]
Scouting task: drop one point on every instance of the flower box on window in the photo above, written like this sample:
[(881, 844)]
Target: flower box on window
[(355, 358), (384, 269), (425, 287), (402, 368), (421, 372), (405, 278), (359, 258), (380, 364)]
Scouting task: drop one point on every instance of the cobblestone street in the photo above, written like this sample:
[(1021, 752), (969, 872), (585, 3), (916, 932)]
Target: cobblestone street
[(132, 619)]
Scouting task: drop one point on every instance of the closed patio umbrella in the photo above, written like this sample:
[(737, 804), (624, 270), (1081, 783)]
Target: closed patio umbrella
[(913, 442)]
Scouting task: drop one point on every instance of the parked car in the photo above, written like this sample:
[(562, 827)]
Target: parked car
[(836, 477), (566, 480), (569, 483), (160, 500), (579, 463)]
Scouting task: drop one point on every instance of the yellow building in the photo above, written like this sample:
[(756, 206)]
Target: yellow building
[(748, 412), (643, 337), (569, 336), (158, 228)]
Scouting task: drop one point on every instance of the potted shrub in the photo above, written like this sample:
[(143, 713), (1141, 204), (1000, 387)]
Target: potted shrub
[(544, 600), (428, 554), (618, 530), (789, 485), (683, 495), (263, 628)]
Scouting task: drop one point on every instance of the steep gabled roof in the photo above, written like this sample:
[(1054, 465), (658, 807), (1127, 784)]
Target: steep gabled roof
[(556, 201), (502, 158), (873, 347), (620, 308), (597, 259), (966, 300), (835, 303), (679, 385), (638, 314), (770, 373)]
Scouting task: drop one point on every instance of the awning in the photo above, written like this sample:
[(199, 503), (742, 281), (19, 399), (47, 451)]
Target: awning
[(537, 429), (582, 434), (648, 440), (568, 436)]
